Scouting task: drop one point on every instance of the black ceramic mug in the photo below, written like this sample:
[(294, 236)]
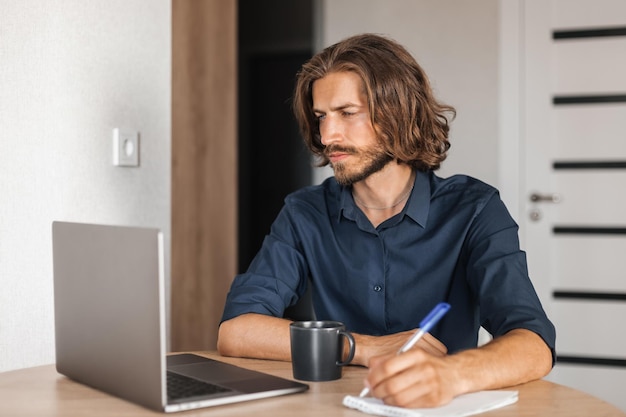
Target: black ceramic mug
[(317, 349)]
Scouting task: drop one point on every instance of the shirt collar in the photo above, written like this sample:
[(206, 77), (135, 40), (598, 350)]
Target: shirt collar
[(419, 202), (347, 206), (417, 207)]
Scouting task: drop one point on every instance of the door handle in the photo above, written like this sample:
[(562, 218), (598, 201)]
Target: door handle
[(545, 198)]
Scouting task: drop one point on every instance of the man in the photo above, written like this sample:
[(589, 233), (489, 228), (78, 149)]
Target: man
[(385, 240)]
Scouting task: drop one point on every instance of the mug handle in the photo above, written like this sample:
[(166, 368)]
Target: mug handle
[(350, 338)]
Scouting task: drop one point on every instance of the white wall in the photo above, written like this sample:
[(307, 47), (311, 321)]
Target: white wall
[(70, 72), (456, 42)]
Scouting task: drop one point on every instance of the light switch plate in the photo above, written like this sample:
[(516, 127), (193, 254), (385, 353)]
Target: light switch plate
[(125, 148)]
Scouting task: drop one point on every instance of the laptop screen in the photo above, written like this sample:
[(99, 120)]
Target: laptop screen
[(108, 304)]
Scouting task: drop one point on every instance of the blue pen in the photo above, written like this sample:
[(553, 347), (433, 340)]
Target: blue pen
[(425, 325)]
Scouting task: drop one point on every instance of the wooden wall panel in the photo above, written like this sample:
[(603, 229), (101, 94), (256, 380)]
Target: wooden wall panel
[(204, 168)]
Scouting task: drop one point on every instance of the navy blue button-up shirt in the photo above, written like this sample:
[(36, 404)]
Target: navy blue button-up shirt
[(454, 241)]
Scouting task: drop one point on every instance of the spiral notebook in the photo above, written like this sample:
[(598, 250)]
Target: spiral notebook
[(463, 405)]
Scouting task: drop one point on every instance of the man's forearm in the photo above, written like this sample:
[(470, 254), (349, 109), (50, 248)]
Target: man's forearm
[(255, 336), (514, 358), (266, 337)]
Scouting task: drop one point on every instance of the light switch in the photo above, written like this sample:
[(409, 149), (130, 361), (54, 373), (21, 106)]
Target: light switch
[(125, 148)]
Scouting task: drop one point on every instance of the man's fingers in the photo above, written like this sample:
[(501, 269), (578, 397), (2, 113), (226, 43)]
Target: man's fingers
[(432, 345), (411, 379), (385, 367)]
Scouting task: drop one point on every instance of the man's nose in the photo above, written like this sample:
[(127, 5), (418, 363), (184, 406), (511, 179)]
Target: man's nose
[(330, 131)]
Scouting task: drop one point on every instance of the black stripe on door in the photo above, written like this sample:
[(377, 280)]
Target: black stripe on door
[(585, 360), (588, 99), (588, 230), (589, 165), (588, 33), (589, 295)]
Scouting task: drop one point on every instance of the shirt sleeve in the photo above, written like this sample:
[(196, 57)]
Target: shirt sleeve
[(276, 277), (498, 274)]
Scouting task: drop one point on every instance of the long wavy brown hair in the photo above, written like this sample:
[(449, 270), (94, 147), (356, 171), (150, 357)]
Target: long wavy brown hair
[(411, 124)]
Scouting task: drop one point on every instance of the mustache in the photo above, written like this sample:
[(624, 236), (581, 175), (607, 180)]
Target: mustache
[(338, 148)]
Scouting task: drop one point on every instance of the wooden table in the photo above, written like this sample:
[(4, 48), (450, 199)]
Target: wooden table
[(42, 392)]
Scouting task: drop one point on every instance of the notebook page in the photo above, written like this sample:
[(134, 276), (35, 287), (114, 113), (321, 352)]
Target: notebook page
[(463, 405)]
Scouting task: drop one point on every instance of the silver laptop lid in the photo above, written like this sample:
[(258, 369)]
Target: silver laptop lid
[(109, 309)]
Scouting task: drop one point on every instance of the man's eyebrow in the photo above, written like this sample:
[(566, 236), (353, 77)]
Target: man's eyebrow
[(338, 108)]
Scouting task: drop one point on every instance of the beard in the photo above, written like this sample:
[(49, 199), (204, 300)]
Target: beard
[(370, 160)]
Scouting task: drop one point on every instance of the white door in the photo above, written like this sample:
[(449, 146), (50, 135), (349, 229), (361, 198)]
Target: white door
[(574, 186)]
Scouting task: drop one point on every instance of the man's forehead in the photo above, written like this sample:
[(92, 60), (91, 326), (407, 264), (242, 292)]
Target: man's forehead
[(337, 91)]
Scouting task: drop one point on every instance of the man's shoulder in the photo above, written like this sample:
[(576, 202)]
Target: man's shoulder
[(315, 195), (459, 183), (462, 190)]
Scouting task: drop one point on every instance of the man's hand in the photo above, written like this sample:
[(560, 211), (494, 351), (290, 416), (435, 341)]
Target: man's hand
[(412, 379), (418, 378), (370, 346)]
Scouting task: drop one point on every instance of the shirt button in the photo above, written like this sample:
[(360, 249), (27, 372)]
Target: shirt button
[(378, 288)]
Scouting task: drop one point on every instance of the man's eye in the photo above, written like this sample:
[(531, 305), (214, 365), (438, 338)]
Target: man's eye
[(320, 117), (347, 114)]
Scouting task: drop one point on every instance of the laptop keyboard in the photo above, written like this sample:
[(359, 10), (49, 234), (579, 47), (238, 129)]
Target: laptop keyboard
[(180, 386)]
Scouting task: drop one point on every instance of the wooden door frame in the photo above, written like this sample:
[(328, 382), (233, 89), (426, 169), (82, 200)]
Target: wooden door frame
[(204, 168)]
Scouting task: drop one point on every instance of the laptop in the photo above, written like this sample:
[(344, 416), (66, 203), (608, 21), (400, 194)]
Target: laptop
[(110, 327)]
